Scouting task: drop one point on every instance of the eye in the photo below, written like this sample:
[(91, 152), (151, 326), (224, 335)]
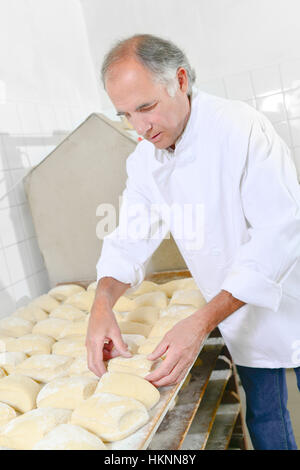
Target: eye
[(149, 108)]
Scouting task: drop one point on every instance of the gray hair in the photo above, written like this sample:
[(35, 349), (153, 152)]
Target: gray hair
[(160, 56)]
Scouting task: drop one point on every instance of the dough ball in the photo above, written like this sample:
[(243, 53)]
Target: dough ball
[(133, 341), (45, 302), (124, 304), (80, 367), (15, 326), (177, 284), (45, 367), (62, 292), (92, 286), (7, 413), (68, 312), (31, 344), (70, 346), (188, 297), (83, 300), (31, 313), (144, 288), (178, 310), (19, 392), (4, 340), (146, 314), (110, 416), (10, 360), (67, 392), (77, 328), (23, 432), (138, 364), (50, 327), (149, 345), (69, 437), (128, 385), (134, 328), (163, 325), (153, 299)]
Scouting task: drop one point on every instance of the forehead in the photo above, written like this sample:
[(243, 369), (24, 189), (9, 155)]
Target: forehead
[(130, 84)]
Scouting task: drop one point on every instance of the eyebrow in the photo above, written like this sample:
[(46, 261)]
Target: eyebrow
[(145, 105)]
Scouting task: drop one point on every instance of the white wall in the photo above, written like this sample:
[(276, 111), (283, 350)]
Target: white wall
[(47, 87), (240, 49)]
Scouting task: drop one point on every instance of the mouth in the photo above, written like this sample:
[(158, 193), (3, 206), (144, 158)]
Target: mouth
[(155, 136)]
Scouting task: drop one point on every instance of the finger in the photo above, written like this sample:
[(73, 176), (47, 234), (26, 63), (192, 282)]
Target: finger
[(173, 377), (165, 368), (95, 358), (120, 345), (159, 351)]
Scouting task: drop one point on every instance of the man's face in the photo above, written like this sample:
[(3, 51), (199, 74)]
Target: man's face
[(153, 113)]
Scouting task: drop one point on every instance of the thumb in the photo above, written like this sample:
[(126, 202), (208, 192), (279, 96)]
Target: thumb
[(120, 346), (160, 349)]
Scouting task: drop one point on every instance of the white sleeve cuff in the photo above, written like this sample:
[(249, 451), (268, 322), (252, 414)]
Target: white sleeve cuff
[(121, 270), (252, 287)]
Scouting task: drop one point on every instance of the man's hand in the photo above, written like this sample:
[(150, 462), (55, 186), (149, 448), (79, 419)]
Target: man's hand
[(103, 339), (181, 345)]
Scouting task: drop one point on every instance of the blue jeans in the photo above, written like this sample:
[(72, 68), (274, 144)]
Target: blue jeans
[(267, 416)]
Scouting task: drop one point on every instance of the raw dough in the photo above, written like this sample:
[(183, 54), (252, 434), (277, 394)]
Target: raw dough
[(131, 327), (68, 312), (69, 437), (82, 300), (7, 413), (31, 313), (80, 367), (188, 297), (64, 291), (138, 364), (50, 327), (124, 304), (46, 302), (149, 345), (110, 416), (15, 326), (146, 314), (178, 310), (73, 346), (25, 431), (19, 392), (77, 328), (10, 360), (133, 341), (129, 386), (2, 373), (4, 340), (153, 299), (45, 367), (143, 288), (92, 286), (163, 325), (31, 344), (67, 392), (177, 284)]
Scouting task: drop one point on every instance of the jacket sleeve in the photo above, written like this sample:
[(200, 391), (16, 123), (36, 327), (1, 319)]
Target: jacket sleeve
[(270, 197), (126, 251)]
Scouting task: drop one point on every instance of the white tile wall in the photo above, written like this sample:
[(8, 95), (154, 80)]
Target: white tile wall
[(273, 90)]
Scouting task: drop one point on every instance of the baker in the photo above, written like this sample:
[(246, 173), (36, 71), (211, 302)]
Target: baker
[(224, 157)]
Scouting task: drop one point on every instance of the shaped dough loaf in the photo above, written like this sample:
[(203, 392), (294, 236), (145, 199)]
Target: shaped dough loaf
[(144, 288), (15, 326), (177, 284), (67, 392), (110, 416), (128, 385), (46, 302), (70, 346), (64, 291), (124, 304), (19, 392), (133, 342), (76, 328), (10, 360), (7, 413), (69, 437), (80, 367), (146, 314), (177, 310), (92, 286), (23, 432), (31, 313), (153, 299), (68, 312), (163, 325), (82, 300), (44, 367), (50, 327), (130, 327), (138, 364), (31, 344), (188, 297), (149, 345)]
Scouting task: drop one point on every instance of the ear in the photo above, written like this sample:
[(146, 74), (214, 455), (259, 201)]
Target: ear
[(182, 79)]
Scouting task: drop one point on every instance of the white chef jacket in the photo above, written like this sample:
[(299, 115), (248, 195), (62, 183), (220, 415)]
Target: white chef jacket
[(230, 160)]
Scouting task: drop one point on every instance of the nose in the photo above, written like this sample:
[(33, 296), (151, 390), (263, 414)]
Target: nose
[(141, 125)]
